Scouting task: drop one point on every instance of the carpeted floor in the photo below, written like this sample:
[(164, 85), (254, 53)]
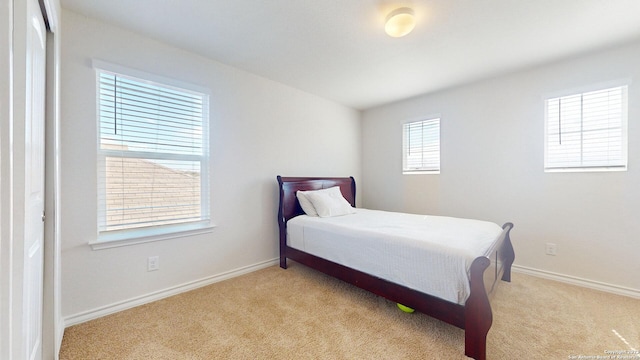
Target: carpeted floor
[(299, 313)]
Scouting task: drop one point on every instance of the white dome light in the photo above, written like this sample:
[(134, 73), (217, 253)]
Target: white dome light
[(400, 22)]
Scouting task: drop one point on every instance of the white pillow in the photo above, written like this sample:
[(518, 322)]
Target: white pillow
[(305, 203), (329, 202)]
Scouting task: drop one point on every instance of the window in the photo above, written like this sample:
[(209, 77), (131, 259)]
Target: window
[(587, 131), (421, 147), (152, 157)]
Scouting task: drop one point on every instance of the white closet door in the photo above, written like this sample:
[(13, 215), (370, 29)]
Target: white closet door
[(34, 132)]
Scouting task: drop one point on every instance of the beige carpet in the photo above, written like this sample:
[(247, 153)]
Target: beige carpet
[(301, 314)]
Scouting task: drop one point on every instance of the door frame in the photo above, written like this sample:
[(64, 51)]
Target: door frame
[(53, 324), (6, 169)]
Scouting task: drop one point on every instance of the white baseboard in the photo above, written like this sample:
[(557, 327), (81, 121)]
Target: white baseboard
[(573, 280), (155, 296), (158, 295)]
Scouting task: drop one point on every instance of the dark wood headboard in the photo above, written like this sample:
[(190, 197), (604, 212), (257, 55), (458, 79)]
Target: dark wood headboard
[(290, 207)]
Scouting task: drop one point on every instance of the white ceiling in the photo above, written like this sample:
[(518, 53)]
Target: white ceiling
[(337, 49)]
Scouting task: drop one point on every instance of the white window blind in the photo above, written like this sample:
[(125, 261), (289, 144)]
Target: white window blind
[(153, 154), (421, 146), (587, 131)]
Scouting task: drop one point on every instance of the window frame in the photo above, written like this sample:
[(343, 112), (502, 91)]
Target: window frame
[(421, 170), (116, 238), (623, 165)]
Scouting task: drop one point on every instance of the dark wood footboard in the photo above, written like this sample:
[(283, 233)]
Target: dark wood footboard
[(475, 317), (484, 275)]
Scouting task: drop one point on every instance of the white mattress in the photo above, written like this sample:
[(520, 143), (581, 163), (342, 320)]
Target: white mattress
[(431, 254)]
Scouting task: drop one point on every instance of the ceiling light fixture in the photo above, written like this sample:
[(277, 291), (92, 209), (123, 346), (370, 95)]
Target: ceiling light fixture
[(400, 22)]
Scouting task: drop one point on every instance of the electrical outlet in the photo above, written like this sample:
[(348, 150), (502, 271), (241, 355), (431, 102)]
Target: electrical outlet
[(153, 263), (551, 249)]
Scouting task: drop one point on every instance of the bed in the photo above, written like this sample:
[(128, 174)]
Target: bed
[(472, 314)]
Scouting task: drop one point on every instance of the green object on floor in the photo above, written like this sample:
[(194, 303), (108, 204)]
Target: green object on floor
[(405, 308)]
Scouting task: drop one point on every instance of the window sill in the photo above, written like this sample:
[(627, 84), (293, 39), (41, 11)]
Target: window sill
[(421, 172), (586, 169), (118, 239)]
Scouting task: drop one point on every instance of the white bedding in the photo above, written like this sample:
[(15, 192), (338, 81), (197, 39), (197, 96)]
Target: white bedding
[(431, 254)]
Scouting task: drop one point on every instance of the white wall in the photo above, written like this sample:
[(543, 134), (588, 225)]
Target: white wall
[(492, 168), (259, 129)]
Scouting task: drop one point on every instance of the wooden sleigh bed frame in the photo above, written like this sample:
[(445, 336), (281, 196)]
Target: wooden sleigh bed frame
[(474, 317)]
